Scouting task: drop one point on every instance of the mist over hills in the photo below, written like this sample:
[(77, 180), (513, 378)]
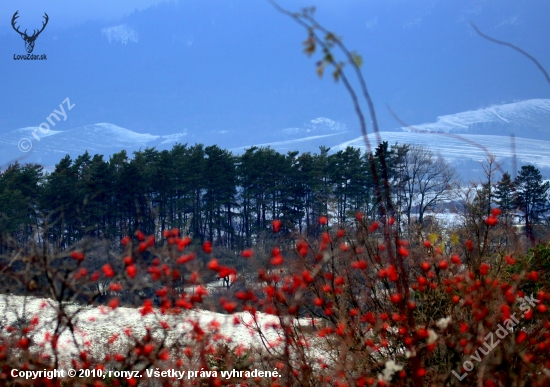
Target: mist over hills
[(238, 67), (463, 138)]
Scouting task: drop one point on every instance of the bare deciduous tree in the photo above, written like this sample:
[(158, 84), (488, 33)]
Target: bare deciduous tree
[(427, 183)]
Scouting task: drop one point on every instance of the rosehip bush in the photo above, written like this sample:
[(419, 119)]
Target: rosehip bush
[(358, 307), (403, 315)]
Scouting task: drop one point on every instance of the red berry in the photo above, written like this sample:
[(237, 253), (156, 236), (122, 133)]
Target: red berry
[(247, 253), (276, 225), (77, 255), (207, 247), (396, 298)]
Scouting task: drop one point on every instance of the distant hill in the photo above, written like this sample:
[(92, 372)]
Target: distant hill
[(530, 119), (464, 138), (519, 130), (105, 138)]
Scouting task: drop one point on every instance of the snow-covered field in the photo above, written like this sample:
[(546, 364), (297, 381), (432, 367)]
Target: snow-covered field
[(95, 326), (466, 146)]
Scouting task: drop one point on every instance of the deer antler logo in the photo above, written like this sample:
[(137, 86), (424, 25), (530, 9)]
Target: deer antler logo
[(29, 40)]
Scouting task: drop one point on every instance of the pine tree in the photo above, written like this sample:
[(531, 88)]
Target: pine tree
[(102, 207), (19, 192), (531, 195), (220, 192), (163, 180), (504, 197), (348, 177), (60, 203)]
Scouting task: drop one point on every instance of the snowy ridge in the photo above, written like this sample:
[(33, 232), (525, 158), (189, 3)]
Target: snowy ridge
[(465, 146), (327, 123), (517, 114), (28, 131), (114, 132), (278, 144), (463, 138), (173, 138), (103, 138), (320, 125)]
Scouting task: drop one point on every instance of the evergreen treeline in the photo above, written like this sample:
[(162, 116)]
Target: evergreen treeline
[(229, 199), (216, 195)]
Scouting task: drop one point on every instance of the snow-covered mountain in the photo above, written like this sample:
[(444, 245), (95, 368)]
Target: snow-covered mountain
[(309, 137), (530, 119), (516, 133), (464, 138), (465, 151), (31, 145)]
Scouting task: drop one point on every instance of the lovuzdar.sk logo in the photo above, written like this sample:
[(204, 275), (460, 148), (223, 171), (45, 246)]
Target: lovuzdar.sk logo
[(29, 40)]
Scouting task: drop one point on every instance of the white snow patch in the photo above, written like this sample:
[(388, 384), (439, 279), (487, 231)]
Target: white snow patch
[(443, 323), (96, 325), (121, 33), (432, 336), (391, 367)]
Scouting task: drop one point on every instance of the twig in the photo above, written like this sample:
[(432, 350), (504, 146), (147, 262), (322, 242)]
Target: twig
[(502, 43)]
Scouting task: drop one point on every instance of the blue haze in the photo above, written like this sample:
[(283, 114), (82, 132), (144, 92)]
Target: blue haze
[(204, 67)]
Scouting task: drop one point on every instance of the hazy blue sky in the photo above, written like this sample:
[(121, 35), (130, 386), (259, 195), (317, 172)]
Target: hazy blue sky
[(66, 13), (238, 65)]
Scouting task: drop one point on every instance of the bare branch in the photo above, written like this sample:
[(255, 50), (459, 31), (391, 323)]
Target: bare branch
[(502, 43)]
